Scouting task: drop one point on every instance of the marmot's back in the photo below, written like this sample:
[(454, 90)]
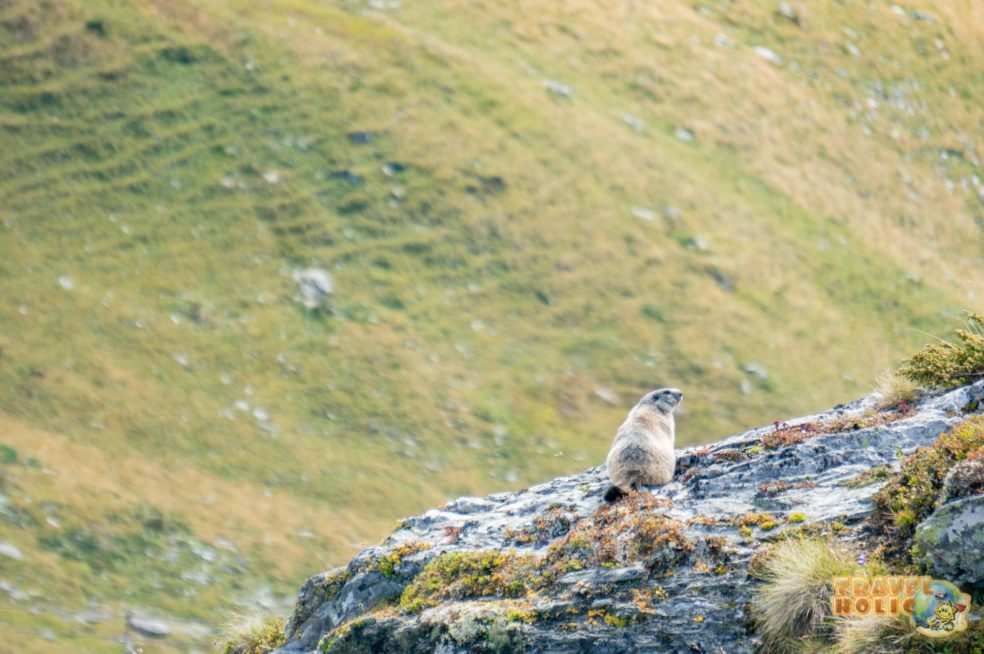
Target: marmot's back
[(642, 454)]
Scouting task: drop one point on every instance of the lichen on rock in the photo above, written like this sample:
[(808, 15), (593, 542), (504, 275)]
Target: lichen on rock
[(952, 540)]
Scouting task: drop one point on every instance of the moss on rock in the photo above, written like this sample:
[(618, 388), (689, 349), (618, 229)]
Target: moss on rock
[(388, 564), (461, 575), (316, 591), (913, 493), (629, 532)]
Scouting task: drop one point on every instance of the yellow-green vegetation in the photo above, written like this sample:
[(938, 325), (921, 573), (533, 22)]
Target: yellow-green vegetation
[(754, 520), (388, 563), (459, 575), (619, 620), (520, 614), (817, 530), (611, 619), (254, 636), (645, 598), (793, 603), (167, 164), (869, 476), (911, 494), (331, 640), (949, 363), (622, 533), (796, 517)]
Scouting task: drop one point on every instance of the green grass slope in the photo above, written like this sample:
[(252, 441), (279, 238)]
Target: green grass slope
[(533, 212)]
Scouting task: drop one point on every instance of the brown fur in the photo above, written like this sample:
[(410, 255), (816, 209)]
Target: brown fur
[(642, 453)]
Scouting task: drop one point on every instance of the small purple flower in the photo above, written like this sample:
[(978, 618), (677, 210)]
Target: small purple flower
[(862, 560)]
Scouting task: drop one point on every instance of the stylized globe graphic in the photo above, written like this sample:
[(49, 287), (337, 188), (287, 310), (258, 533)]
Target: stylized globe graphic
[(925, 604)]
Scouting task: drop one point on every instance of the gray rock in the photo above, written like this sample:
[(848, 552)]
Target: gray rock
[(602, 576), (965, 478), (697, 597), (634, 122), (684, 134), (361, 137), (315, 287), (644, 213), (15, 593), (768, 55), (723, 41), (756, 369), (786, 11), (11, 551), (92, 617), (606, 395), (558, 89), (953, 539), (465, 505), (148, 627)]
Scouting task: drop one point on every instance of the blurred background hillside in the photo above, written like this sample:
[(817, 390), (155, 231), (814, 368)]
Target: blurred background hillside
[(508, 220)]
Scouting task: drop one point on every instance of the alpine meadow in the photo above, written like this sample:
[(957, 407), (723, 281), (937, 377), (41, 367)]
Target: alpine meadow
[(520, 217)]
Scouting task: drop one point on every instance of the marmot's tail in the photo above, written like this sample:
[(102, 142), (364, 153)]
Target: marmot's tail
[(614, 494)]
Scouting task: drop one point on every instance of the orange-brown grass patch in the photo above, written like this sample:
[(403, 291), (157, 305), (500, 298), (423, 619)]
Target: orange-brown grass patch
[(705, 520), (628, 531), (773, 487), (731, 456), (783, 434), (552, 524), (768, 489)]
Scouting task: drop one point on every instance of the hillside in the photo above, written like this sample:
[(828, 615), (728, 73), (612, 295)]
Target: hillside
[(531, 212)]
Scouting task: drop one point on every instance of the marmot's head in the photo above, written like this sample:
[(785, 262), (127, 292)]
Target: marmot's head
[(665, 399)]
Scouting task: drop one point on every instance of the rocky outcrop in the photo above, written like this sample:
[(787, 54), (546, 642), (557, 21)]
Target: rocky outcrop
[(552, 569), (953, 540)]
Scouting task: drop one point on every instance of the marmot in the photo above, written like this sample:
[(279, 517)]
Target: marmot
[(642, 453)]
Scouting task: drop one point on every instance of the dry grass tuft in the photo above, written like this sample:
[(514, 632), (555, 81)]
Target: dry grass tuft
[(871, 635), (894, 390), (794, 603), (886, 635), (252, 634)]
